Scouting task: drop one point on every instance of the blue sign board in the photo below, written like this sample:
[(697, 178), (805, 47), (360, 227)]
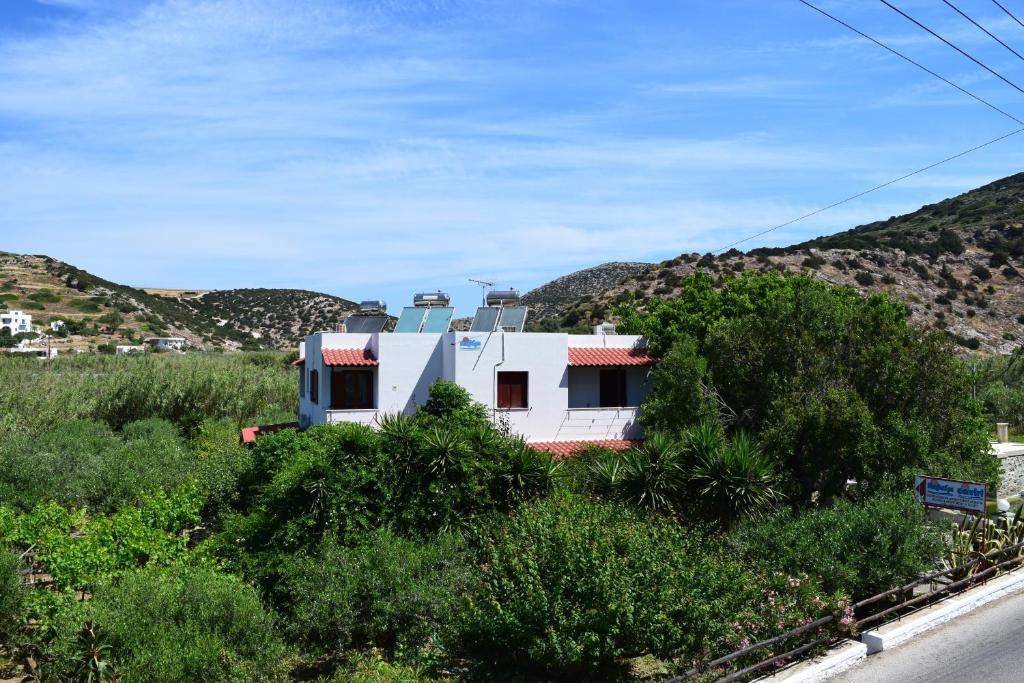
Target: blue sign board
[(952, 494), (469, 343)]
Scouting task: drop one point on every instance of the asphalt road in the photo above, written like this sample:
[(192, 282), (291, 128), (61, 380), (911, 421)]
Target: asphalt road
[(986, 645)]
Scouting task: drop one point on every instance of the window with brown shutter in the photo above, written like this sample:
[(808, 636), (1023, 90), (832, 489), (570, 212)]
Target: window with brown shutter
[(351, 390), (513, 390), (613, 387)]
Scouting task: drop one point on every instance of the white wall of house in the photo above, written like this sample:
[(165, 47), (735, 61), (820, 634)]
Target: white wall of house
[(16, 321), (409, 363)]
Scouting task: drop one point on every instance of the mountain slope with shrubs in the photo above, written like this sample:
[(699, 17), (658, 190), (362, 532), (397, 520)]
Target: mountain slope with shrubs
[(100, 314), (957, 264)]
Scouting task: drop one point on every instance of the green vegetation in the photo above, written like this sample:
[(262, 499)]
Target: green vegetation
[(834, 386), (438, 546)]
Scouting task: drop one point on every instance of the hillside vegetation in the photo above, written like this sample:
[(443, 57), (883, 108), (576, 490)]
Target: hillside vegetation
[(100, 314), (956, 264)]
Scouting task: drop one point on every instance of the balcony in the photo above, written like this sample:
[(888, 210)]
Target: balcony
[(365, 416), (599, 423)]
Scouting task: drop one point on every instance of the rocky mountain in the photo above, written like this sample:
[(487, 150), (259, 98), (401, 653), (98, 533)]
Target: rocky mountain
[(277, 317), (99, 313), (553, 299), (957, 264)]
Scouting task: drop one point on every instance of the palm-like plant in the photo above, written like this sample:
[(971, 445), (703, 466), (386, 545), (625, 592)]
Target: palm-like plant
[(446, 450), (529, 473), (604, 472), (652, 476), (735, 480)]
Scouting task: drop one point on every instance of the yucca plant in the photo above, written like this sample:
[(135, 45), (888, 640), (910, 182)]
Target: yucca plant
[(652, 476), (446, 450), (604, 472), (975, 537), (702, 441), (529, 473), (734, 481)]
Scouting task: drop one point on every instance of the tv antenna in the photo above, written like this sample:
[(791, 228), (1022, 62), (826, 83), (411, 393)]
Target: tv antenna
[(484, 284)]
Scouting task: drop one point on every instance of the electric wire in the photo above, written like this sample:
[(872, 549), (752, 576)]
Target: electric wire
[(1008, 12), (965, 54), (915, 63), (989, 33), (903, 177), (869, 191)]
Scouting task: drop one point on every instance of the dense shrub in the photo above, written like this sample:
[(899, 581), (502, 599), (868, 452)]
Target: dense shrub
[(383, 591), (861, 548), (184, 389), (864, 278), (12, 596), (678, 397), (84, 464), (570, 589), (186, 624), (810, 368)]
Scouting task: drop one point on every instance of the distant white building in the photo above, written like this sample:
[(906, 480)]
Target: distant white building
[(42, 353), (125, 349), (167, 343), (548, 387), (16, 321), (56, 325)]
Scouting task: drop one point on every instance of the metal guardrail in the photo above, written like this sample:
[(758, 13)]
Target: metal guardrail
[(954, 586)]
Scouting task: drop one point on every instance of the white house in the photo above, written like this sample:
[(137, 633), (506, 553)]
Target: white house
[(43, 353), (126, 349), (56, 325), (551, 387), (167, 343), (16, 321)]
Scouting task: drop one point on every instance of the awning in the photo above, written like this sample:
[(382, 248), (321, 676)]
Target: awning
[(348, 357), (581, 356)]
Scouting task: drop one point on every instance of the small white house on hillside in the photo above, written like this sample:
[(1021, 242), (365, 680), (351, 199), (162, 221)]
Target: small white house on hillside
[(16, 321), (167, 343), (550, 387)]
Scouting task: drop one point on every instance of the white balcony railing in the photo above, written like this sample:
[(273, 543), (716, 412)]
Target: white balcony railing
[(366, 417), (599, 423)]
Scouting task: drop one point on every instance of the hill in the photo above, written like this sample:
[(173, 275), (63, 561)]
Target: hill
[(99, 312), (554, 298), (278, 317), (957, 264)]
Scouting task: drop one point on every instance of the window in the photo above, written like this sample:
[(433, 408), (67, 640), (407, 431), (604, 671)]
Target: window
[(352, 390), (613, 387), (512, 390), (302, 381), (314, 386)]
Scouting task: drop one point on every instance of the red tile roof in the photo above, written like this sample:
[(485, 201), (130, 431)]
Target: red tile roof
[(564, 449), (584, 356), (299, 361), (348, 357), (249, 434)]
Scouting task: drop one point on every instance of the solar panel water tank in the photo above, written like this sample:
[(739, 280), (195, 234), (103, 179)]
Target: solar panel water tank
[(485, 319), (373, 306), (503, 297), (512, 319), (411, 319), (437, 299)]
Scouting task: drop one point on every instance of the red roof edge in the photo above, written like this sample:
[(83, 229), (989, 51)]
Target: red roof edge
[(299, 361), (250, 434), (566, 449)]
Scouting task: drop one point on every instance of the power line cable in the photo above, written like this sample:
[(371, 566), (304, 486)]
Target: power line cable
[(915, 63), (1008, 12), (989, 33), (903, 177), (873, 189), (965, 54)]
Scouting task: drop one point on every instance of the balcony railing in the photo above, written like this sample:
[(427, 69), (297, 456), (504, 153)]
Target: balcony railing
[(599, 423)]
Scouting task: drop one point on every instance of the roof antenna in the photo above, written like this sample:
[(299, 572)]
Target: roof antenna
[(483, 289)]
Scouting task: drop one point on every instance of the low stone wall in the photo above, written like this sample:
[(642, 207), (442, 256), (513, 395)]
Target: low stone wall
[(1013, 475)]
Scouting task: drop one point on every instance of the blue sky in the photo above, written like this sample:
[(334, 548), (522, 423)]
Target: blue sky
[(372, 149)]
